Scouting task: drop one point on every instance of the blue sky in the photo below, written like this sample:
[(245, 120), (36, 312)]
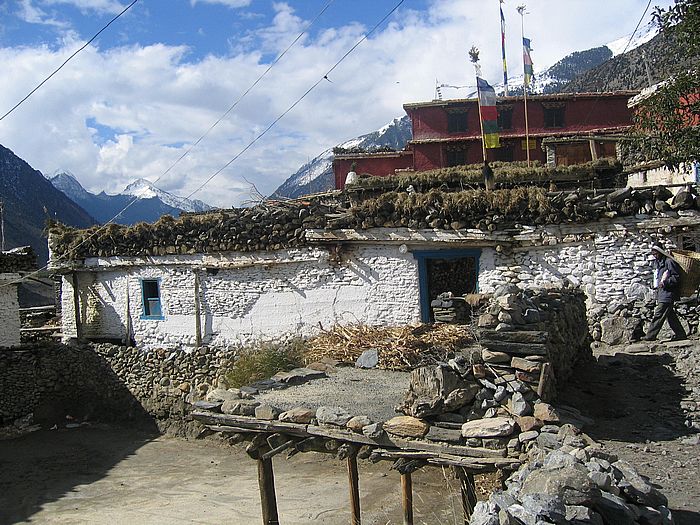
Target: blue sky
[(133, 101)]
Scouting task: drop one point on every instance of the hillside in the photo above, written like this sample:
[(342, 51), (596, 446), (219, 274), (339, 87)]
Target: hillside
[(29, 199), (629, 70)]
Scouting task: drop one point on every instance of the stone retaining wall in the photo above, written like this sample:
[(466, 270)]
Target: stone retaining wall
[(106, 382), (9, 310)]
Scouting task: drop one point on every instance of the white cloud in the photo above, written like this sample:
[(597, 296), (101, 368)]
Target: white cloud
[(98, 6), (228, 3), (156, 100), (32, 14)]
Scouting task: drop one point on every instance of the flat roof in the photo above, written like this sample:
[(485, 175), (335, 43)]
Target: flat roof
[(515, 98)]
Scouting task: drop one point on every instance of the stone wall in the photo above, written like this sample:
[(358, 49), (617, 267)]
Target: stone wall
[(245, 298), (9, 310), (106, 382)]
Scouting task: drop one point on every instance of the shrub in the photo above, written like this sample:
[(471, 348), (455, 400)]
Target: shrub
[(264, 360)]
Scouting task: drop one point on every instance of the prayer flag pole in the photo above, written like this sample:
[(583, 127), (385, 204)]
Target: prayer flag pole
[(527, 76), (503, 48)]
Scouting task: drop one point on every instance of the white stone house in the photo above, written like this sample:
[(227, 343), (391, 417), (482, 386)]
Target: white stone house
[(379, 276)]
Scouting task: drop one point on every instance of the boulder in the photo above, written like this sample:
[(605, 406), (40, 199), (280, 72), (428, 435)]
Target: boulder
[(300, 415), (546, 413), (406, 426), (357, 423), (492, 427), (570, 483), (368, 359), (636, 487), (431, 390), (239, 407), (336, 416), (268, 412)]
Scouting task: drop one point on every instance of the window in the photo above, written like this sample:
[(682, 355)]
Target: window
[(554, 117), (504, 153), (457, 121), (456, 157), (505, 118), (150, 291)]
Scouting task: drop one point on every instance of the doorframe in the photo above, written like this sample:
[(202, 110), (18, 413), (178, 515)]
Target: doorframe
[(423, 256)]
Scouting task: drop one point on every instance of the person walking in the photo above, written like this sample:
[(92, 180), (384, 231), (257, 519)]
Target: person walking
[(667, 275)]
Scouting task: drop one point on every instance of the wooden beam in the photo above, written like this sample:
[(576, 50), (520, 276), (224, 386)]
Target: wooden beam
[(76, 307), (354, 481), (197, 320), (468, 492), (268, 500), (407, 498)]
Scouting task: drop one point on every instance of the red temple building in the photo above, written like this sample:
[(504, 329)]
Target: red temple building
[(564, 129)]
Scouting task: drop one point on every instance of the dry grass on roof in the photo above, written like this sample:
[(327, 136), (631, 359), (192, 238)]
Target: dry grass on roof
[(399, 348), (468, 203), (504, 172)]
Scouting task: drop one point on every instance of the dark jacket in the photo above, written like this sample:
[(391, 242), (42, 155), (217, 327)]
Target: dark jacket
[(668, 292)]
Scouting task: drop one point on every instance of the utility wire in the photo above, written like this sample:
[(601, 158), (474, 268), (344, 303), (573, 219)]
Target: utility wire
[(250, 88), (68, 59), (302, 97), (98, 230)]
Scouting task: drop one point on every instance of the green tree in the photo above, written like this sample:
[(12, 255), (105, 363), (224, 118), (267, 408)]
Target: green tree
[(668, 121)]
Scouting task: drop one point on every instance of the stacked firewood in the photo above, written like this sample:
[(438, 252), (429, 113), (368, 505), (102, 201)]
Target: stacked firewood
[(278, 225), (18, 260)]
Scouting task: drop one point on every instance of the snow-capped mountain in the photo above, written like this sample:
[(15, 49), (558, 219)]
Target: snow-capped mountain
[(145, 190), (28, 200), (151, 204), (317, 175)]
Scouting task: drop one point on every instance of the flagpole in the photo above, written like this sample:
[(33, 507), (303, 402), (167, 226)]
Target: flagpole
[(521, 10), (481, 124), (503, 48)]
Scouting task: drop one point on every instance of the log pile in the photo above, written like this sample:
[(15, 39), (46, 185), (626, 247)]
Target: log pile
[(278, 225), (18, 260)]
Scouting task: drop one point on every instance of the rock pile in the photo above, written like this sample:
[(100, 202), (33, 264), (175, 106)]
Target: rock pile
[(448, 308), (277, 225), (524, 330), (18, 260), (569, 478)]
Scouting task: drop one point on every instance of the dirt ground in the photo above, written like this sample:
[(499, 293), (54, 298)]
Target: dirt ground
[(98, 475), (635, 399)]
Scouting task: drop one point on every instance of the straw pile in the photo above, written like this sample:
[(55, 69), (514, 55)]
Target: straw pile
[(399, 348)]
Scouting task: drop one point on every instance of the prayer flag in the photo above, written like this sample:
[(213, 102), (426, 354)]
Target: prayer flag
[(527, 61), (503, 49), (488, 113)]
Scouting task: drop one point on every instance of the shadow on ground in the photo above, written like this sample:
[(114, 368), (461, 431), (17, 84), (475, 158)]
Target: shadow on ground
[(631, 397), (45, 466)]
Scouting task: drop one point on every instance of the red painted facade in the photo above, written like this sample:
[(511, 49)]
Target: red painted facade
[(448, 133)]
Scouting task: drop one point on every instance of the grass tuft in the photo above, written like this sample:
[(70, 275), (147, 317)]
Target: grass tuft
[(265, 360)]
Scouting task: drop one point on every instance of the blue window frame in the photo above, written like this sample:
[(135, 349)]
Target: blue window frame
[(427, 258), (150, 296)]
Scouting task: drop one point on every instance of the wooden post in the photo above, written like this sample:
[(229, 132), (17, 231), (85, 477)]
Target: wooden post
[(407, 498), (197, 320), (127, 337), (353, 478), (468, 492), (268, 500), (76, 307)]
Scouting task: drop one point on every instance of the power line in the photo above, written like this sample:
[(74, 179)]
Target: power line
[(68, 60), (302, 97), (250, 88)]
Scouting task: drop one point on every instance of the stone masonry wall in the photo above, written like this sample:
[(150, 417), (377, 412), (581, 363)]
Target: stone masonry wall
[(9, 311), (106, 382), (296, 291)]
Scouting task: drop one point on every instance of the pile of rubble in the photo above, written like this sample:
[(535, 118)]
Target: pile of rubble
[(687, 363), (569, 478)]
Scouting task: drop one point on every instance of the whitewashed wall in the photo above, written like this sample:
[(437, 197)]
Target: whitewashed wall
[(9, 311), (295, 291), (609, 267)]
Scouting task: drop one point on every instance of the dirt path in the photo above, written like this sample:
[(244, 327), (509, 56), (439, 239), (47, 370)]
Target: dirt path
[(635, 399), (101, 475)]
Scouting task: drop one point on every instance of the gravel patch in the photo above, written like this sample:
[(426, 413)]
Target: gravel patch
[(373, 393)]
